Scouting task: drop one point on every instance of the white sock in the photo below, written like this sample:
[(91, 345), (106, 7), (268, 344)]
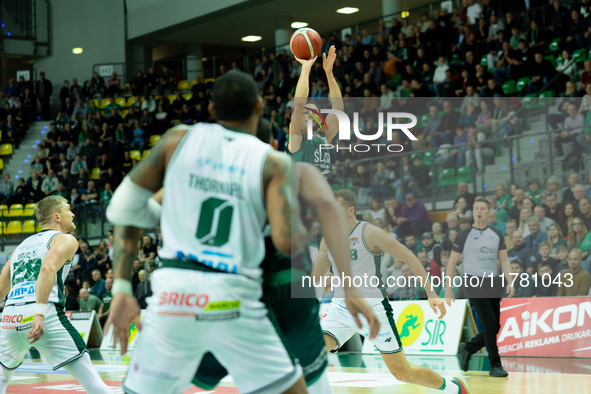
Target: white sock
[(5, 376), (83, 371), (450, 387)]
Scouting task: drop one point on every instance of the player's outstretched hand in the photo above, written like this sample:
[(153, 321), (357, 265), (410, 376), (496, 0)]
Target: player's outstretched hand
[(124, 310), (510, 291), (328, 61), (449, 296), (356, 306), (37, 328), (438, 304), (306, 63)]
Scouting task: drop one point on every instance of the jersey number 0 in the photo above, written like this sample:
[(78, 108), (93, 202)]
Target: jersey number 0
[(215, 219)]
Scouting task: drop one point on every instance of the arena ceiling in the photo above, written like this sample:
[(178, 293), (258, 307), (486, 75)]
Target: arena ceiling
[(257, 17)]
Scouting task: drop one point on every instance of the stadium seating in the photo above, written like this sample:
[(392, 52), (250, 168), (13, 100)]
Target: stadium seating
[(135, 154), (145, 154), (447, 177), (95, 174), (5, 149), (104, 103), (154, 139), (29, 209), (28, 227), (14, 227), (16, 210), (183, 85), (121, 101)]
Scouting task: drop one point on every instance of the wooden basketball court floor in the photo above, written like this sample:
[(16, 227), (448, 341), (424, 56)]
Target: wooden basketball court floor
[(349, 373)]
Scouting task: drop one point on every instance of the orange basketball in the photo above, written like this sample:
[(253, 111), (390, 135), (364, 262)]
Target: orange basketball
[(305, 43)]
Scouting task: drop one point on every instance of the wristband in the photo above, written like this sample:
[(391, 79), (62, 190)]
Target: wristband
[(40, 309), (122, 286)]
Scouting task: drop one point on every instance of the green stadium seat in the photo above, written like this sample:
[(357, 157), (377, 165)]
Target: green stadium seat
[(428, 158), (349, 185), (551, 59), (335, 186), (579, 55), (522, 83), (447, 177), (554, 45), (509, 87), (412, 157), (484, 61), (425, 119), (464, 174)]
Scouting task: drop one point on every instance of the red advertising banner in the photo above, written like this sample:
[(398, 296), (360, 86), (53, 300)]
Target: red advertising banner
[(545, 327)]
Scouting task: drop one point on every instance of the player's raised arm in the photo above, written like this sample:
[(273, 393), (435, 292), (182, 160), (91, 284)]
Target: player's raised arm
[(287, 230), (5, 280), (336, 97), (376, 237), (62, 249), (297, 126)]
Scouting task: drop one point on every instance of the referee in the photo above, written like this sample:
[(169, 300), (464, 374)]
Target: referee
[(481, 245)]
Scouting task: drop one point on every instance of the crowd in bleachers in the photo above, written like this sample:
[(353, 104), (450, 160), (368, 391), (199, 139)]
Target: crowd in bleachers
[(478, 54)]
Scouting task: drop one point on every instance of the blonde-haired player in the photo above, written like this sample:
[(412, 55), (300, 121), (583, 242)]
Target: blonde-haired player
[(368, 243), (34, 312)]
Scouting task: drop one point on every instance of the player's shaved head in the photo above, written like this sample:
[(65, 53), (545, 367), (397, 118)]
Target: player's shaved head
[(235, 96)]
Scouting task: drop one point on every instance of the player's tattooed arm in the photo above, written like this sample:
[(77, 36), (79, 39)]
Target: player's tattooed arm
[(336, 97), (149, 173), (5, 280), (125, 251), (298, 119), (280, 183)]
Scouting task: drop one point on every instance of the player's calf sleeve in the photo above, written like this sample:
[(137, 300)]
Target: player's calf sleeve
[(5, 376), (83, 371), (321, 385)]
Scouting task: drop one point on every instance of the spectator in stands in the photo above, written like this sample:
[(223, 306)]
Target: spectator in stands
[(411, 242), (432, 248), (552, 188), (43, 91), (521, 291), (520, 252), (494, 222), (138, 142), (478, 151), (415, 218), (114, 85), (464, 193), (433, 129), (540, 214), (535, 191), (135, 280), (49, 185), (585, 208), (573, 126), (544, 253), (406, 292), (97, 83), (578, 193), (144, 289), (574, 280), (71, 301), (542, 72), (524, 215), (576, 233), (517, 204), (460, 148), (77, 165), (149, 251), (568, 212), (381, 181), (555, 239), (377, 211), (89, 302), (452, 221), (535, 236), (545, 276), (438, 234), (106, 298), (430, 265), (451, 235), (98, 288), (510, 228), (6, 189), (568, 195)]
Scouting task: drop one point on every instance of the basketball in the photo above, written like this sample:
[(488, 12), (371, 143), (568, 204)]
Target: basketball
[(305, 43)]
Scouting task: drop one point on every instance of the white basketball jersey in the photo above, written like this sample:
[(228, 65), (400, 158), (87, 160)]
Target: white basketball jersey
[(364, 263), (213, 209), (25, 265)]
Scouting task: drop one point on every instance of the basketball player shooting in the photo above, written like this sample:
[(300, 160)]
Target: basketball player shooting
[(302, 148)]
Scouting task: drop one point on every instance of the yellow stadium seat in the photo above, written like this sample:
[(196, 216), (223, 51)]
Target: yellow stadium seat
[(95, 174), (130, 101), (1, 161), (121, 101), (124, 113), (127, 86), (187, 96), (16, 210), (208, 80), (104, 103), (5, 149), (156, 97), (135, 154), (28, 227), (31, 205), (171, 98), (14, 227), (174, 122), (39, 228), (154, 139), (95, 101), (29, 212), (193, 83), (183, 85), (146, 153), (3, 210)]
